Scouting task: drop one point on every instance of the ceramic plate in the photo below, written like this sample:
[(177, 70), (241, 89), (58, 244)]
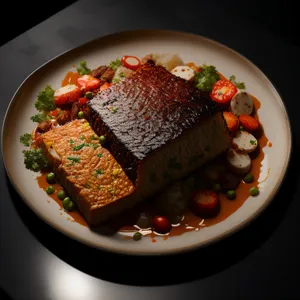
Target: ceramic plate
[(191, 48)]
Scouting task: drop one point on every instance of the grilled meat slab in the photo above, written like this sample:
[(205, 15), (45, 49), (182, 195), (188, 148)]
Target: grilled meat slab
[(159, 127)]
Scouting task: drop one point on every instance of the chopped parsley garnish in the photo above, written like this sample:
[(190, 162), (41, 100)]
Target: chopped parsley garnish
[(122, 75), (74, 159), (35, 159), (111, 190), (82, 69), (115, 64), (71, 141), (26, 139), (86, 185), (38, 118), (239, 85), (79, 147), (115, 80), (45, 99), (99, 172), (100, 155), (95, 146), (114, 109), (252, 142), (206, 78), (82, 137), (93, 137)]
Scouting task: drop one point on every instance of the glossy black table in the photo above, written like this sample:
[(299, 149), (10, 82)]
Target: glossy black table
[(259, 262)]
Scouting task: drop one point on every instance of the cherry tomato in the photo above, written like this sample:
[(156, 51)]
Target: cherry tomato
[(88, 82), (131, 62), (67, 94), (205, 203), (223, 91), (161, 224)]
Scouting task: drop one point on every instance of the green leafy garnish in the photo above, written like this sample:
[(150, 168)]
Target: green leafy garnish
[(26, 139), (100, 155), (74, 159), (35, 159), (95, 146), (253, 142), (122, 75), (115, 80), (239, 85), (114, 109), (94, 137), (79, 147), (71, 141), (40, 118), (99, 172), (82, 137), (82, 69), (206, 78), (115, 64), (45, 100)]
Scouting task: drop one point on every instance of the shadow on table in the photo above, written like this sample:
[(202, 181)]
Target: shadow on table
[(164, 270)]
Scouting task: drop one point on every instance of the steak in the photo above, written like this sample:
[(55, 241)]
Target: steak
[(87, 171), (158, 127)]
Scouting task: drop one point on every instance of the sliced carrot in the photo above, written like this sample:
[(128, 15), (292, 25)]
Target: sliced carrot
[(194, 67), (231, 120), (249, 123)]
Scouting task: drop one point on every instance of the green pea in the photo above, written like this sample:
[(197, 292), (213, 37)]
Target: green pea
[(137, 236), (80, 115), (102, 139), (248, 178), (68, 204), (231, 194), (50, 190), (217, 187), (50, 177), (89, 95), (61, 194), (254, 191)]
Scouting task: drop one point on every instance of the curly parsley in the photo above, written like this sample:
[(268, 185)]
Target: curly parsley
[(83, 69), (115, 64), (26, 139), (35, 159), (239, 85), (206, 78)]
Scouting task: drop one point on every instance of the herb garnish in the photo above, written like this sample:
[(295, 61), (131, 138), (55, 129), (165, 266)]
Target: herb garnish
[(26, 139)]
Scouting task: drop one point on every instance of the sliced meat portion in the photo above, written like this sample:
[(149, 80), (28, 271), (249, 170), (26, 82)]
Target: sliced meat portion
[(98, 71), (108, 75), (159, 127), (88, 172)]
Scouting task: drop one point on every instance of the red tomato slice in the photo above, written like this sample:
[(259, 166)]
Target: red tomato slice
[(223, 91), (83, 100), (67, 94), (131, 62), (205, 203), (88, 82)]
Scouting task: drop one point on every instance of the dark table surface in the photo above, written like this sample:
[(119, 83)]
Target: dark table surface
[(259, 262)]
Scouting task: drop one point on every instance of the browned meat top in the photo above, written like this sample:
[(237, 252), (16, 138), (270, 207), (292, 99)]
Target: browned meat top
[(151, 107)]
